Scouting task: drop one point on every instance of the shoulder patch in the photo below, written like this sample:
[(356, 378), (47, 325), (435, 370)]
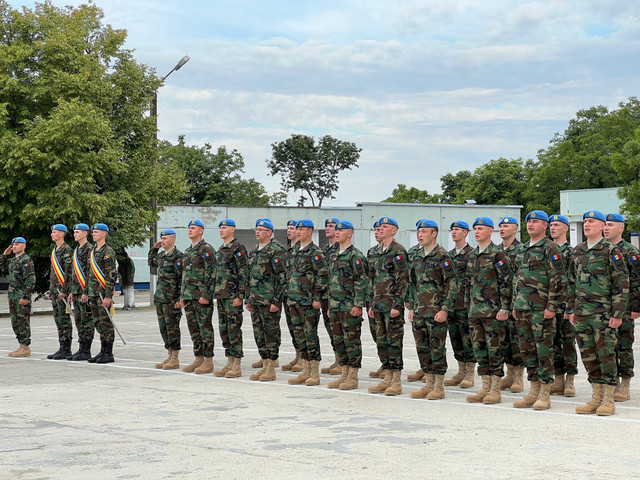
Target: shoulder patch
[(618, 262), (316, 258), (278, 266), (503, 266), (556, 261), (447, 266)]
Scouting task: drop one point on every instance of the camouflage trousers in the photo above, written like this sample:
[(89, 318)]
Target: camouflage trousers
[(511, 346), (266, 331), (624, 347), (327, 322), (389, 337), (169, 323), (597, 342), (230, 323), (347, 331), (565, 357), (431, 342), (287, 316), (487, 338), (83, 320), (305, 320), (372, 326), (21, 321), (536, 335), (101, 320), (200, 327), (460, 336), (62, 318)]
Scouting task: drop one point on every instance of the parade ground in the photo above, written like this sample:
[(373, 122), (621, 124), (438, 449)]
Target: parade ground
[(128, 420)]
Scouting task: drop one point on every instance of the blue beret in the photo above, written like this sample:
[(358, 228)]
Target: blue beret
[(509, 220), (264, 222), (559, 218), (537, 215), (81, 226), (344, 225), (598, 215), (459, 224), (228, 222), (389, 221), (100, 226), (292, 223), (59, 227), (196, 222), (305, 222), (168, 231), (376, 224), (331, 220), (426, 223), (483, 221), (18, 240), (615, 217)]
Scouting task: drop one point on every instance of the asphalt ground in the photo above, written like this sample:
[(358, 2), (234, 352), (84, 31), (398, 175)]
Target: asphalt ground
[(128, 420)]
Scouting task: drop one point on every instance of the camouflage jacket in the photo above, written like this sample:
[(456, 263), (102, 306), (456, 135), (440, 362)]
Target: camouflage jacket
[(83, 252), (512, 251), (460, 261), (565, 250), (232, 271), (267, 275), (598, 281), (349, 280), (488, 282), (198, 272), (389, 278), (372, 254), (169, 265), (64, 257), (329, 251), (309, 277), (105, 258), (632, 257), (539, 278), (22, 277), (412, 254), (433, 285)]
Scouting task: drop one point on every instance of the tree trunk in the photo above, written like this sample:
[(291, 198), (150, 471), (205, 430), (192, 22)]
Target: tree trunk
[(126, 272)]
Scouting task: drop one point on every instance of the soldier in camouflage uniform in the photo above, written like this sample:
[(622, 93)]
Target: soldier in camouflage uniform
[(329, 251), (22, 281), (458, 320), (307, 287), (81, 310), (613, 230), (597, 302), (264, 296), (347, 297), (101, 282), (513, 358), (488, 299), (196, 296), (539, 287), (389, 287), (372, 254), (167, 295), (230, 288), (564, 345), (294, 365), (412, 254), (59, 288), (432, 294)]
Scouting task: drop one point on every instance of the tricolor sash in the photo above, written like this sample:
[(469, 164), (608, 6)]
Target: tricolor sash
[(96, 271), (82, 280), (57, 268)]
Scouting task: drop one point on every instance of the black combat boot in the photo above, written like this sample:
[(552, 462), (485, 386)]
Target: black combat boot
[(50, 357), (107, 356), (99, 355), (70, 357), (84, 353), (64, 352)]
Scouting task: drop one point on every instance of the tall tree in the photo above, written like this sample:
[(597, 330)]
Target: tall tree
[(627, 165), (402, 194), (453, 185), (498, 182), (312, 168)]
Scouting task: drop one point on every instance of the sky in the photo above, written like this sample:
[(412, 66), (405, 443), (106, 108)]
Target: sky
[(423, 87)]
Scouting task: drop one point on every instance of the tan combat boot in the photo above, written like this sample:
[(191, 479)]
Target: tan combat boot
[(298, 367), (438, 389), (484, 391), (543, 402), (258, 364), (22, 351), (289, 366), (236, 368), (557, 387), (343, 378), (596, 399), (493, 396), (530, 398), (384, 384), (395, 388), (377, 373), (335, 364), (256, 376), (206, 367), (518, 382), (173, 362), (314, 374), (351, 383), (507, 380), (608, 405), (223, 371), (426, 390), (458, 377), (161, 364), (621, 392), (304, 375), (414, 377), (569, 387), (469, 378), (270, 372), (193, 365)]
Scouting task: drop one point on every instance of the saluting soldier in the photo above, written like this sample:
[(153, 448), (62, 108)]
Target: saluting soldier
[(294, 365), (167, 295), (59, 288), (22, 281), (329, 251), (82, 310)]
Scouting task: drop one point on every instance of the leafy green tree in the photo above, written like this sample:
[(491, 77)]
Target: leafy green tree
[(498, 182), (402, 194), (627, 165), (453, 185), (312, 168)]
